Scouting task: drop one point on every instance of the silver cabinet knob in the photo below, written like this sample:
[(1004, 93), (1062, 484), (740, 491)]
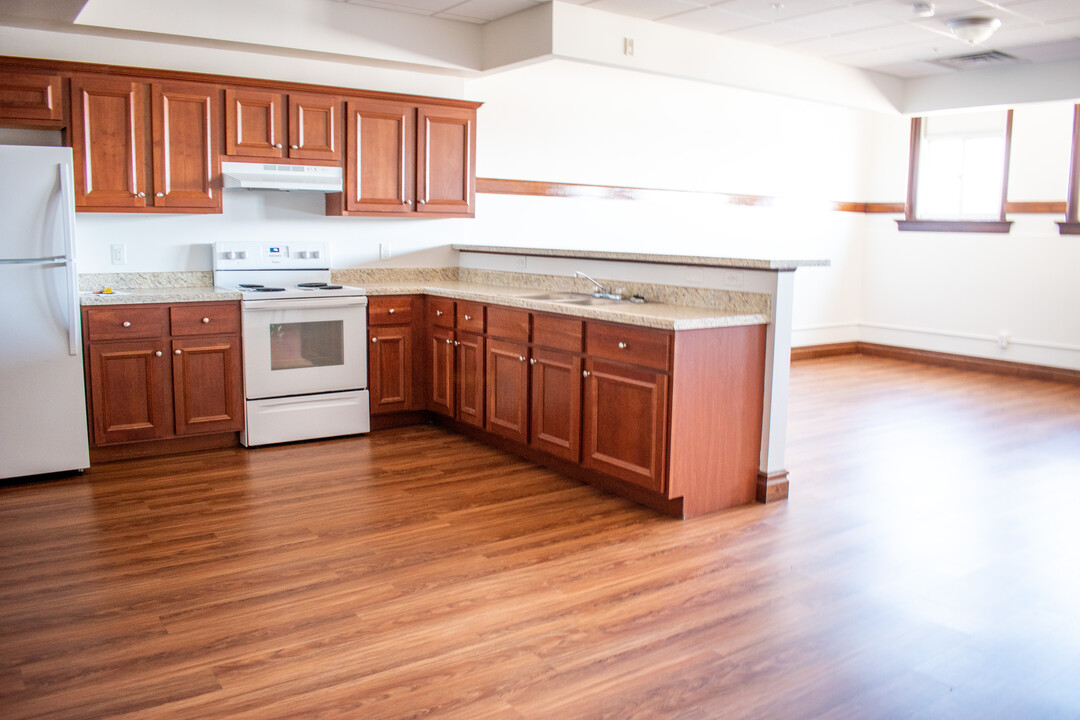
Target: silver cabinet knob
[(449, 341), (206, 320), (532, 361), (278, 146), (438, 312), (468, 318), (421, 202), (160, 194), (127, 324), (374, 339), (622, 346), (391, 311), (456, 343), (140, 194), (408, 202), (521, 358), (158, 353), (585, 373), (295, 147), (178, 352)]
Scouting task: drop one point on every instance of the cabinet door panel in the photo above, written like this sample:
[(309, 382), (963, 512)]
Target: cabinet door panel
[(626, 423), (446, 148), (314, 127), (109, 137), (207, 395), (470, 373), (556, 403), (26, 96), (380, 172), (255, 123), (185, 146), (508, 389), (129, 391), (390, 368), (442, 371)]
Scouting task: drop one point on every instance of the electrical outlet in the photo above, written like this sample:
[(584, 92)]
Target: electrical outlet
[(1003, 340), (119, 254), (628, 46), (384, 251)]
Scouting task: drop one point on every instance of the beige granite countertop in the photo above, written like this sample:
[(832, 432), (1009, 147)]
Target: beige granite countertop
[(742, 263), (133, 296), (654, 315)]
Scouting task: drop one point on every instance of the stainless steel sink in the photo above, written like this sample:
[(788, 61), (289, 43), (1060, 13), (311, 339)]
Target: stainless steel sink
[(588, 300), (556, 296)]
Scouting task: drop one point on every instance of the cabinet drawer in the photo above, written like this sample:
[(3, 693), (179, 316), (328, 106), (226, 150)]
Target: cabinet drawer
[(390, 310), (629, 344), (508, 323), (557, 331), (441, 312), (127, 321), (200, 319), (470, 317)]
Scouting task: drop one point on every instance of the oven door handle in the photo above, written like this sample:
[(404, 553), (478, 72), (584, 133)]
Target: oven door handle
[(323, 303)]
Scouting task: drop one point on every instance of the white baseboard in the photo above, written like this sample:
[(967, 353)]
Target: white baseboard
[(1018, 350)]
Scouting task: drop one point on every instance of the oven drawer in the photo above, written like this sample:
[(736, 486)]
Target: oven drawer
[(127, 321), (390, 310), (205, 319)]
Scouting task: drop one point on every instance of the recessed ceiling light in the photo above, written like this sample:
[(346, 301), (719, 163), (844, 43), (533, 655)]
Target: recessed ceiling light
[(923, 9), (973, 30)]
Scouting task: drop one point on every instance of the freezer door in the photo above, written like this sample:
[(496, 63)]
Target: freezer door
[(43, 423), (32, 201)]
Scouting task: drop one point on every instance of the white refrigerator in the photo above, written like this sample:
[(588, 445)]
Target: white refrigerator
[(42, 394)]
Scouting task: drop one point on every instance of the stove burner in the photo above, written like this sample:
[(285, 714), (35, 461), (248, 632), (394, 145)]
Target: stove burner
[(250, 286), (328, 287), (311, 285), (266, 289)]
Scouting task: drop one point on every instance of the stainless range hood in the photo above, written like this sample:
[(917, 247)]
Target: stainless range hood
[(267, 176)]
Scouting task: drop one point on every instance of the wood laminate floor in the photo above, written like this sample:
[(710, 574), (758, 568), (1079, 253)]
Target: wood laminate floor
[(926, 565)]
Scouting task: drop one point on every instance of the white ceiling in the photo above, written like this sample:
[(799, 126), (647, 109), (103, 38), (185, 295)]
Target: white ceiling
[(881, 35)]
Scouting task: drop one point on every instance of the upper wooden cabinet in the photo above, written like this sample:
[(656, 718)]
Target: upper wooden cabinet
[(268, 124), (31, 99), (142, 146), (403, 158)]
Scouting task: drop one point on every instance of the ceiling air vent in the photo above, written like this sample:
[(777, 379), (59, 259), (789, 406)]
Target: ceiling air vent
[(977, 60)]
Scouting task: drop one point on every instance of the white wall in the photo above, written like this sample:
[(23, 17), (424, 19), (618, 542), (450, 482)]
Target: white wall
[(956, 292)]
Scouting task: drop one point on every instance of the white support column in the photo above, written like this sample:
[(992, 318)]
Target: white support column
[(772, 476)]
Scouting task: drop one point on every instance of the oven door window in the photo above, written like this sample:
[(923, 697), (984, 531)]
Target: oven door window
[(307, 344)]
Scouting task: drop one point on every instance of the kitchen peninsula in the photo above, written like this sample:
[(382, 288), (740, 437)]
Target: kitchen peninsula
[(678, 402)]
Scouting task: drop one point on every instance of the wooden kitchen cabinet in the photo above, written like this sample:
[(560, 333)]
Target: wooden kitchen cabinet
[(269, 124), (145, 146), (31, 99), (471, 381), (159, 371), (391, 363), (440, 361), (407, 158), (507, 381)]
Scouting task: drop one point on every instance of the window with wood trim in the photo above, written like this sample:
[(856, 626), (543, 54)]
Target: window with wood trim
[(1071, 226), (958, 173)]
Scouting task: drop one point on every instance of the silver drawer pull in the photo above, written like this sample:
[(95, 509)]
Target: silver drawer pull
[(532, 361), (438, 312), (449, 341), (622, 346), (158, 353), (206, 320), (160, 194), (521, 358), (456, 343), (127, 324), (374, 339), (278, 146), (140, 194), (178, 352), (295, 147), (468, 318), (391, 311), (585, 373)]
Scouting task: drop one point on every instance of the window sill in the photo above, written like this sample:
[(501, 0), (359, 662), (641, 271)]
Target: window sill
[(1069, 228), (956, 226)]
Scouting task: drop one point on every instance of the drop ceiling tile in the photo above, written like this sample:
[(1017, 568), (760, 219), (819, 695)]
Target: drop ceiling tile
[(910, 69), (841, 20), (827, 46), (416, 7), (711, 20), (893, 35), (1019, 37), (1049, 52), (486, 9), (773, 10), (646, 9), (943, 9), (1048, 10)]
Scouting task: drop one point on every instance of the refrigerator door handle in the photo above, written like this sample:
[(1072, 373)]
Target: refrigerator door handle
[(67, 192)]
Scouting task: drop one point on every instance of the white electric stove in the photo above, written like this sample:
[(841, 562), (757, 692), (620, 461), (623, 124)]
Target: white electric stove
[(305, 341)]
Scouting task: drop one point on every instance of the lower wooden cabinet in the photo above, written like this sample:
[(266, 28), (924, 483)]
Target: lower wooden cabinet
[(471, 380), (160, 371), (507, 380), (391, 360), (443, 373), (555, 405)]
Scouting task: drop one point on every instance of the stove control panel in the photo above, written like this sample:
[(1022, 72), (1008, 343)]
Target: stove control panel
[(256, 255)]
